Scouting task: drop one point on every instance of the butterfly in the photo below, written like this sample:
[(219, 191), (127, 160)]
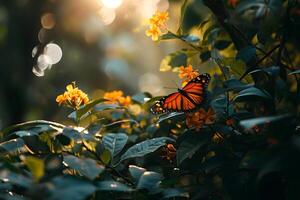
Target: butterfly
[(186, 99)]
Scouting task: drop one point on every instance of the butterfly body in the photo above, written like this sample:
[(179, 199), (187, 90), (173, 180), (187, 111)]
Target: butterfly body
[(187, 99)]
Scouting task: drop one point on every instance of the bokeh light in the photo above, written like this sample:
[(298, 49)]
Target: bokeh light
[(54, 52), (43, 62), (48, 21), (150, 82), (112, 3), (107, 15)]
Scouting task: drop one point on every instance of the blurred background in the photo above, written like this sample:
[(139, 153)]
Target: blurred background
[(100, 44)]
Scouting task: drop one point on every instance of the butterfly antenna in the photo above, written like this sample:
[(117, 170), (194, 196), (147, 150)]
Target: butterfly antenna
[(175, 83), (170, 88)]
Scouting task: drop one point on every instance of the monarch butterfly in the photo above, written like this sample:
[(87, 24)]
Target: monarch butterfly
[(186, 99)]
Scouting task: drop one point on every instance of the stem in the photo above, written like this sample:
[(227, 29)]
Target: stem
[(183, 40)]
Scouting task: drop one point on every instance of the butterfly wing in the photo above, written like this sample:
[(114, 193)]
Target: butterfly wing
[(195, 90), (188, 99), (170, 103)]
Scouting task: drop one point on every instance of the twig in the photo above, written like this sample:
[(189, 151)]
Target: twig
[(259, 61)]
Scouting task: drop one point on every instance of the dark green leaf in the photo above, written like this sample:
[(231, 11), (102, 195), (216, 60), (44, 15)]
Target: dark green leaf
[(246, 54), (252, 93), (136, 172), (78, 114), (113, 186), (176, 59), (182, 14), (70, 188), (174, 192), (190, 145), (149, 180), (13, 146), (145, 147), (171, 117), (295, 72), (105, 106), (85, 166), (15, 179), (250, 123), (114, 142)]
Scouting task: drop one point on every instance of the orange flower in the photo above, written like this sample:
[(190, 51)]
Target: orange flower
[(154, 32), (187, 74), (113, 96), (117, 97), (73, 97), (157, 23), (200, 118), (170, 152)]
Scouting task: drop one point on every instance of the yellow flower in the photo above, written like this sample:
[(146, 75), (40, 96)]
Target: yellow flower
[(159, 19), (157, 23), (117, 97), (200, 118), (125, 101), (187, 74), (113, 96), (154, 32), (73, 97)]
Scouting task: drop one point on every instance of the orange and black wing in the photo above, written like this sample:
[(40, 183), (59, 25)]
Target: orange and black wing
[(190, 97), (195, 90)]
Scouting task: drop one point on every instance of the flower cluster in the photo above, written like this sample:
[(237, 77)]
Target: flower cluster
[(73, 97), (200, 118), (117, 97), (187, 74), (157, 23)]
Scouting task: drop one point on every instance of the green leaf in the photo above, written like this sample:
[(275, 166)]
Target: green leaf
[(250, 94), (85, 166), (235, 85), (113, 186), (176, 59), (77, 115), (171, 117), (136, 172), (182, 14), (36, 126), (14, 146), (174, 192), (105, 156), (72, 133), (70, 188), (149, 180), (246, 54), (35, 165), (15, 179), (222, 44), (145, 147), (141, 97), (190, 146), (106, 106), (114, 142), (205, 56), (250, 123), (295, 72)]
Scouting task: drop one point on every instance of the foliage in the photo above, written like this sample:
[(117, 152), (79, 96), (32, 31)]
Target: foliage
[(117, 149)]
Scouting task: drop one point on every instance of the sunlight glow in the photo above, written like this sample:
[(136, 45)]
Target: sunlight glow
[(107, 15), (112, 3), (54, 52)]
